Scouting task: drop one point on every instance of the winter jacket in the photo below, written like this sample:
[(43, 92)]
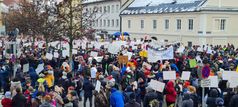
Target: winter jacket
[(101, 100), (171, 93), (6, 102), (88, 89), (132, 103), (195, 99), (234, 101), (46, 104), (187, 101), (19, 100), (211, 100), (149, 97), (33, 76), (116, 98)]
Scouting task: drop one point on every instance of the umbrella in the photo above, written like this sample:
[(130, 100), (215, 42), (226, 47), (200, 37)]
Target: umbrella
[(126, 34), (117, 34)]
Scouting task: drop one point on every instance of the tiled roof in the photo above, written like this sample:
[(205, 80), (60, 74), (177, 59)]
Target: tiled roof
[(174, 7)]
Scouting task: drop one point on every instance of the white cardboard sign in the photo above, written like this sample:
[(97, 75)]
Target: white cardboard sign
[(156, 85), (169, 75), (185, 75), (39, 68)]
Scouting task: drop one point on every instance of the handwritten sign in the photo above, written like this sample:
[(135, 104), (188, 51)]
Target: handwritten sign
[(26, 67), (211, 81), (185, 75), (156, 85), (169, 75), (122, 59)]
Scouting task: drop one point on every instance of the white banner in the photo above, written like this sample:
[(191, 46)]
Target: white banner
[(154, 56)]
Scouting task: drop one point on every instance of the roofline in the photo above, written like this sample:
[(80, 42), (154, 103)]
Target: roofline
[(163, 13), (99, 2)]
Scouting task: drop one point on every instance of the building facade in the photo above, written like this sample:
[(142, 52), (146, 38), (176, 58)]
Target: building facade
[(106, 20), (3, 10), (197, 21)]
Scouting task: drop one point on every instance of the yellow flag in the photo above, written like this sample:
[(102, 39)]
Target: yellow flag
[(237, 69), (143, 53)]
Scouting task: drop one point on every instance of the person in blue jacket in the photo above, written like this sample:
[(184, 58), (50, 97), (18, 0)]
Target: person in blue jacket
[(116, 98)]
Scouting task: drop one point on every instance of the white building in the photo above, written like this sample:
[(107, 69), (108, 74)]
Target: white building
[(106, 20)]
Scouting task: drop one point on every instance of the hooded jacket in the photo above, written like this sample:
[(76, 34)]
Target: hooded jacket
[(171, 93), (116, 98), (187, 101), (211, 100), (6, 102), (149, 97)]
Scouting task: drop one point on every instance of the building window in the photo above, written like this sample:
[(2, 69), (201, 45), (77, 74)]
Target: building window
[(112, 23), (178, 24), (105, 9), (190, 24), (100, 22), (112, 8), (108, 23), (154, 24), (142, 24), (100, 9), (129, 23), (117, 24), (108, 9), (166, 24), (117, 8), (104, 23), (223, 24)]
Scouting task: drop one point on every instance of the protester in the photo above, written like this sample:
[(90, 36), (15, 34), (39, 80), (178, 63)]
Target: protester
[(234, 100), (47, 102), (132, 102), (150, 96), (171, 94), (19, 99), (211, 100), (116, 98), (7, 101), (88, 91), (187, 101)]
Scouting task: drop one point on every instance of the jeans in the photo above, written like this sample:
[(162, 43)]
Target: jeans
[(85, 100)]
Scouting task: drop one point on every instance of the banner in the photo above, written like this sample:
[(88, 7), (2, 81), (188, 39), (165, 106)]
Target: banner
[(154, 56)]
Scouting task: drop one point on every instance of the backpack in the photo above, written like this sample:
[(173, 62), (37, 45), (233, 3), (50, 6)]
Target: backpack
[(154, 103)]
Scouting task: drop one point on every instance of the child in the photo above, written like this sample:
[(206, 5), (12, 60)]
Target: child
[(7, 101)]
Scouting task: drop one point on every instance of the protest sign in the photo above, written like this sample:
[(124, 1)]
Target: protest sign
[(192, 63), (49, 56), (148, 66), (135, 85), (211, 81), (39, 68), (185, 75), (122, 59), (169, 75), (113, 48), (74, 51), (226, 75), (157, 86), (98, 86), (94, 54), (56, 55), (26, 67), (154, 55)]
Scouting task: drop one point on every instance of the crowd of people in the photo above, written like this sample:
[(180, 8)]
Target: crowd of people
[(63, 83)]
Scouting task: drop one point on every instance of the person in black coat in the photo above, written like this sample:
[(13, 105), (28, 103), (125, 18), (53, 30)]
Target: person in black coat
[(234, 100), (19, 99), (88, 91), (149, 96), (211, 100)]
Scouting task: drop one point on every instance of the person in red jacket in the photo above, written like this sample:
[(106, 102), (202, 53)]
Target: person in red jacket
[(7, 101), (170, 94)]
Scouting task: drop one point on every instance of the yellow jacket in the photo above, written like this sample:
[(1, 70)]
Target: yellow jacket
[(49, 80)]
